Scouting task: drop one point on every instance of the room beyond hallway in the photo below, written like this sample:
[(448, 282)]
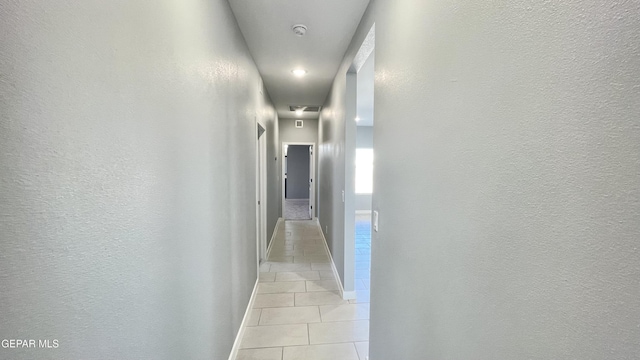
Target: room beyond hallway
[(296, 209), (363, 256), (298, 313)]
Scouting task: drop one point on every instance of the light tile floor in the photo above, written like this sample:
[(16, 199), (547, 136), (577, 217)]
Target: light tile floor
[(363, 257), (298, 313)]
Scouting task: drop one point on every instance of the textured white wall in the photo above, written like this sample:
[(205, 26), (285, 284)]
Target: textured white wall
[(127, 181), (507, 177)]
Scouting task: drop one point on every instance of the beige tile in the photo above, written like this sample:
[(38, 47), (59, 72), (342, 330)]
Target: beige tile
[(342, 331), (310, 247), (264, 267), (281, 287), (326, 274), (363, 349), (347, 312), (322, 285), (323, 266), (346, 351), (285, 252), (254, 317), (267, 276), (318, 298), (277, 258), (290, 315), (315, 251), (260, 354), (311, 242), (273, 300), (275, 335), (297, 275), (311, 259), (280, 267)]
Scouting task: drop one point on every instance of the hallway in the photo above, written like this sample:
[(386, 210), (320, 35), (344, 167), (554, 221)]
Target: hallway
[(298, 312), (143, 158)]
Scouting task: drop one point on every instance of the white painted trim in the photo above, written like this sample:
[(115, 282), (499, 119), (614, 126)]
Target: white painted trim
[(273, 237), (346, 295), (261, 194), (243, 325), (312, 199)]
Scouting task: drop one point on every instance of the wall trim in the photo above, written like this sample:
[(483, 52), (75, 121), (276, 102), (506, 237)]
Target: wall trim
[(243, 325), (245, 319), (273, 237), (346, 295)]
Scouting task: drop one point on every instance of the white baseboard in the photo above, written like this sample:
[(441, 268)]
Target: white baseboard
[(236, 343), (273, 237), (346, 295), (243, 325)]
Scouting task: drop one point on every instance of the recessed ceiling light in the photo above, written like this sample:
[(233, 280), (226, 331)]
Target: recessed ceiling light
[(299, 72), (357, 119), (299, 112)]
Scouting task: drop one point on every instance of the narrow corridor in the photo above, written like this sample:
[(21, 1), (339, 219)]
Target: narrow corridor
[(298, 312)]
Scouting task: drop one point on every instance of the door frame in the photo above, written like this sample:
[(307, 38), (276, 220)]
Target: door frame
[(261, 196), (312, 167)]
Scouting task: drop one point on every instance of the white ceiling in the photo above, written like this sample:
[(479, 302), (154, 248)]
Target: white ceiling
[(266, 26)]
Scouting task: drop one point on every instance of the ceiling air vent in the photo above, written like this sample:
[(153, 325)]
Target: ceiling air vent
[(304, 108)]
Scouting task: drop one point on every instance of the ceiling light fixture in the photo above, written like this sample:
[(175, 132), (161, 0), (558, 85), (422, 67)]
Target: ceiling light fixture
[(299, 72), (299, 29), (300, 110), (357, 119)]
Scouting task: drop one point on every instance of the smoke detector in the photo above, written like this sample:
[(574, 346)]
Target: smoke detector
[(299, 29)]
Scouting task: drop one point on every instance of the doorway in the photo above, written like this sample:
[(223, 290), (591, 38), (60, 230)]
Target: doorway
[(298, 185)]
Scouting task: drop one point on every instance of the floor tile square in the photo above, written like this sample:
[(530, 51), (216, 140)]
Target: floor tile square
[(342, 331), (363, 349), (322, 266), (254, 317), (281, 287), (348, 312), (322, 285), (260, 354), (346, 351), (326, 274), (297, 275), (290, 315), (273, 300), (281, 267), (267, 276), (275, 335), (318, 298)]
